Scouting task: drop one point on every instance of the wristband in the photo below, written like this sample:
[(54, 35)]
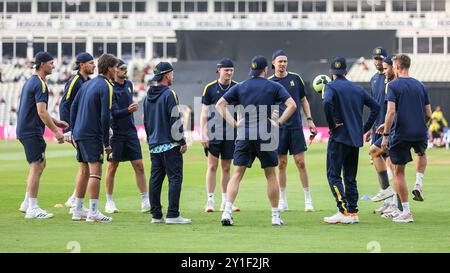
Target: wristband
[(384, 134), (309, 118)]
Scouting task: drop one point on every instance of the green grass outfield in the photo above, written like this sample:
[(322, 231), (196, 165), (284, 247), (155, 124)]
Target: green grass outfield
[(132, 231)]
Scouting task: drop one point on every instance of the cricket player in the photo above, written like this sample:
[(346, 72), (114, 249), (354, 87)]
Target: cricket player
[(409, 105), (124, 141), (214, 133), (32, 117), (343, 105), (90, 117), (292, 139), (258, 96), (165, 136)]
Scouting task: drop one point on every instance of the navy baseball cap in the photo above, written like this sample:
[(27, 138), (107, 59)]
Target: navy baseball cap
[(379, 53), (122, 64), (388, 59), (225, 62), (41, 57), (338, 66), (277, 54), (82, 58), (161, 69), (259, 63)]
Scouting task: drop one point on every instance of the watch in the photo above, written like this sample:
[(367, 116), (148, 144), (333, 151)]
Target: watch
[(384, 134), (309, 118)]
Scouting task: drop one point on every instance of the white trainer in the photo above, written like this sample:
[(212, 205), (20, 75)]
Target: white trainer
[(98, 217), (158, 221), (309, 207), (209, 207), (79, 215), (71, 202), (383, 194), (110, 207), (354, 217), (145, 206), (37, 213), (282, 205), (383, 208), (338, 218), (276, 220), (418, 193), (178, 220), (226, 220), (233, 208), (404, 218), (24, 206), (395, 212)]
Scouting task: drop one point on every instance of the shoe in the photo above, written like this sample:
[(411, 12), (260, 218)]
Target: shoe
[(383, 194), (233, 208), (309, 207), (98, 217), (354, 217), (24, 206), (145, 206), (37, 213), (209, 207), (382, 209), (71, 202), (79, 215), (158, 221), (417, 192), (110, 207), (393, 214), (404, 218), (282, 205), (226, 220), (338, 218), (178, 220), (276, 220)]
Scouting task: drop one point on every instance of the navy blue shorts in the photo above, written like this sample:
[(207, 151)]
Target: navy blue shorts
[(126, 149), (89, 151), (378, 141), (400, 151), (292, 140), (375, 137), (223, 149), (34, 149), (246, 151)]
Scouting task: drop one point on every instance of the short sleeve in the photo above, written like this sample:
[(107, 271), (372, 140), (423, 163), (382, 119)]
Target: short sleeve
[(301, 88), (390, 96), (206, 98), (41, 92), (232, 95), (427, 98)]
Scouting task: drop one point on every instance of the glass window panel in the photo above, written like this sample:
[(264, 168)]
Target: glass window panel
[(423, 45), (437, 45)]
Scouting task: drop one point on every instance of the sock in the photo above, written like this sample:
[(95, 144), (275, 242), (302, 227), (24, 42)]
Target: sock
[(399, 203), (228, 207), (74, 194), (389, 173), (224, 197), (93, 206), (307, 195), (79, 203), (383, 179), (211, 197), (27, 195), (109, 197), (32, 203), (419, 179), (283, 194), (144, 196), (405, 207), (275, 212)]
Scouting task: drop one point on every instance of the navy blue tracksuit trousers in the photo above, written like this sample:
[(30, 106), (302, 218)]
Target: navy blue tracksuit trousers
[(341, 157), (168, 163)]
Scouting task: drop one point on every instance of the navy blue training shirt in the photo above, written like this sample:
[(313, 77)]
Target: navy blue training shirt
[(212, 92), (344, 103), (296, 88), (28, 121), (410, 97), (70, 91), (253, 93), (122, 121), (377, 91), (90, 113)]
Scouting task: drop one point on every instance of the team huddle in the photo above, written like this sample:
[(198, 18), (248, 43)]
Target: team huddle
[(257, 118)]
